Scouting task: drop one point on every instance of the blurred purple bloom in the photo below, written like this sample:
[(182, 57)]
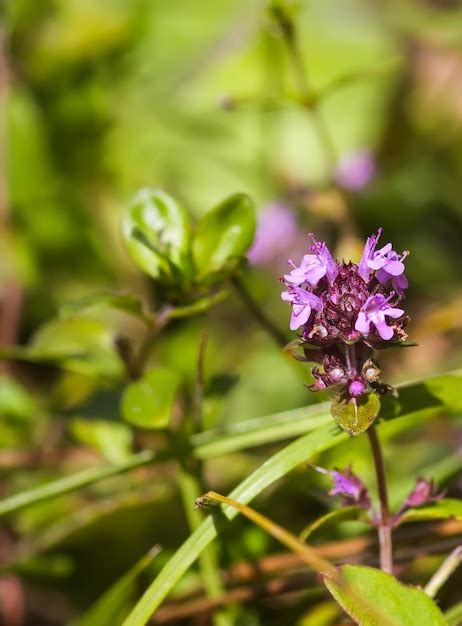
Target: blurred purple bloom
[(374, 311), (424, 491), (302, 303), (276, 232), (355, 170), (350, 487)]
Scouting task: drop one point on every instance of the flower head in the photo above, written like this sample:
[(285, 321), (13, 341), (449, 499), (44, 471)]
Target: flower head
[(346, 310)]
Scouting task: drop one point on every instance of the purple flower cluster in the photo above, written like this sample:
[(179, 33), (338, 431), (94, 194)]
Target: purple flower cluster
[(345, 310)]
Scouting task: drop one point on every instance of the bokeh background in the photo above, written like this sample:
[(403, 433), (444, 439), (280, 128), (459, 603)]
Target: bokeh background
[(202, 99)]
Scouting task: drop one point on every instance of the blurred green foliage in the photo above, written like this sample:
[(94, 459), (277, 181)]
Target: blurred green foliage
[(102, 99)]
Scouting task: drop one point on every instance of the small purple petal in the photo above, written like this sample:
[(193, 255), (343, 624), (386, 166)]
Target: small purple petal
[(362, 323)]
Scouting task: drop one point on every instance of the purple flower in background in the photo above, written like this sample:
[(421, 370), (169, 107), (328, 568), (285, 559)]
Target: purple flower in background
[(348, 485), (346, 310), (424, 492), (374, 311), (276, 233), (355, 170)]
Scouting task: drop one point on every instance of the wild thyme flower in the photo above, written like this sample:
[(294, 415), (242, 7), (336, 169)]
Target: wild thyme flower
[(344, 311), (348, 485)]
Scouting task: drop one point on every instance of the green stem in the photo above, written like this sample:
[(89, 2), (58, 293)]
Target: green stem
[(384, 529), (72, 483)]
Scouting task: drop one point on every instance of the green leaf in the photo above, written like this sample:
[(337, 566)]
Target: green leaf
[(224, 235), (395, 604), (148, 402), (71, 483), (111, 608), (352, 512), (447, 389), (156, 231), (81, 345), (16, 402), (126, 303), (441, 509), (112, 439), (356, 415)]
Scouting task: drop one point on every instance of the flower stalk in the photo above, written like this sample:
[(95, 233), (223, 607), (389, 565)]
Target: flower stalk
[(384, 522)]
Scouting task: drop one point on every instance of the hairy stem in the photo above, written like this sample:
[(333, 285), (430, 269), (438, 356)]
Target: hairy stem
[(384, 529)]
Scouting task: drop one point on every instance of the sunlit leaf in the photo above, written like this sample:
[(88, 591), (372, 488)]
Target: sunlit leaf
[(402, 605), (156, 232), (224, 235), (356, 415), (148, 402), (112, 439), (81, 345), (15, 400)]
